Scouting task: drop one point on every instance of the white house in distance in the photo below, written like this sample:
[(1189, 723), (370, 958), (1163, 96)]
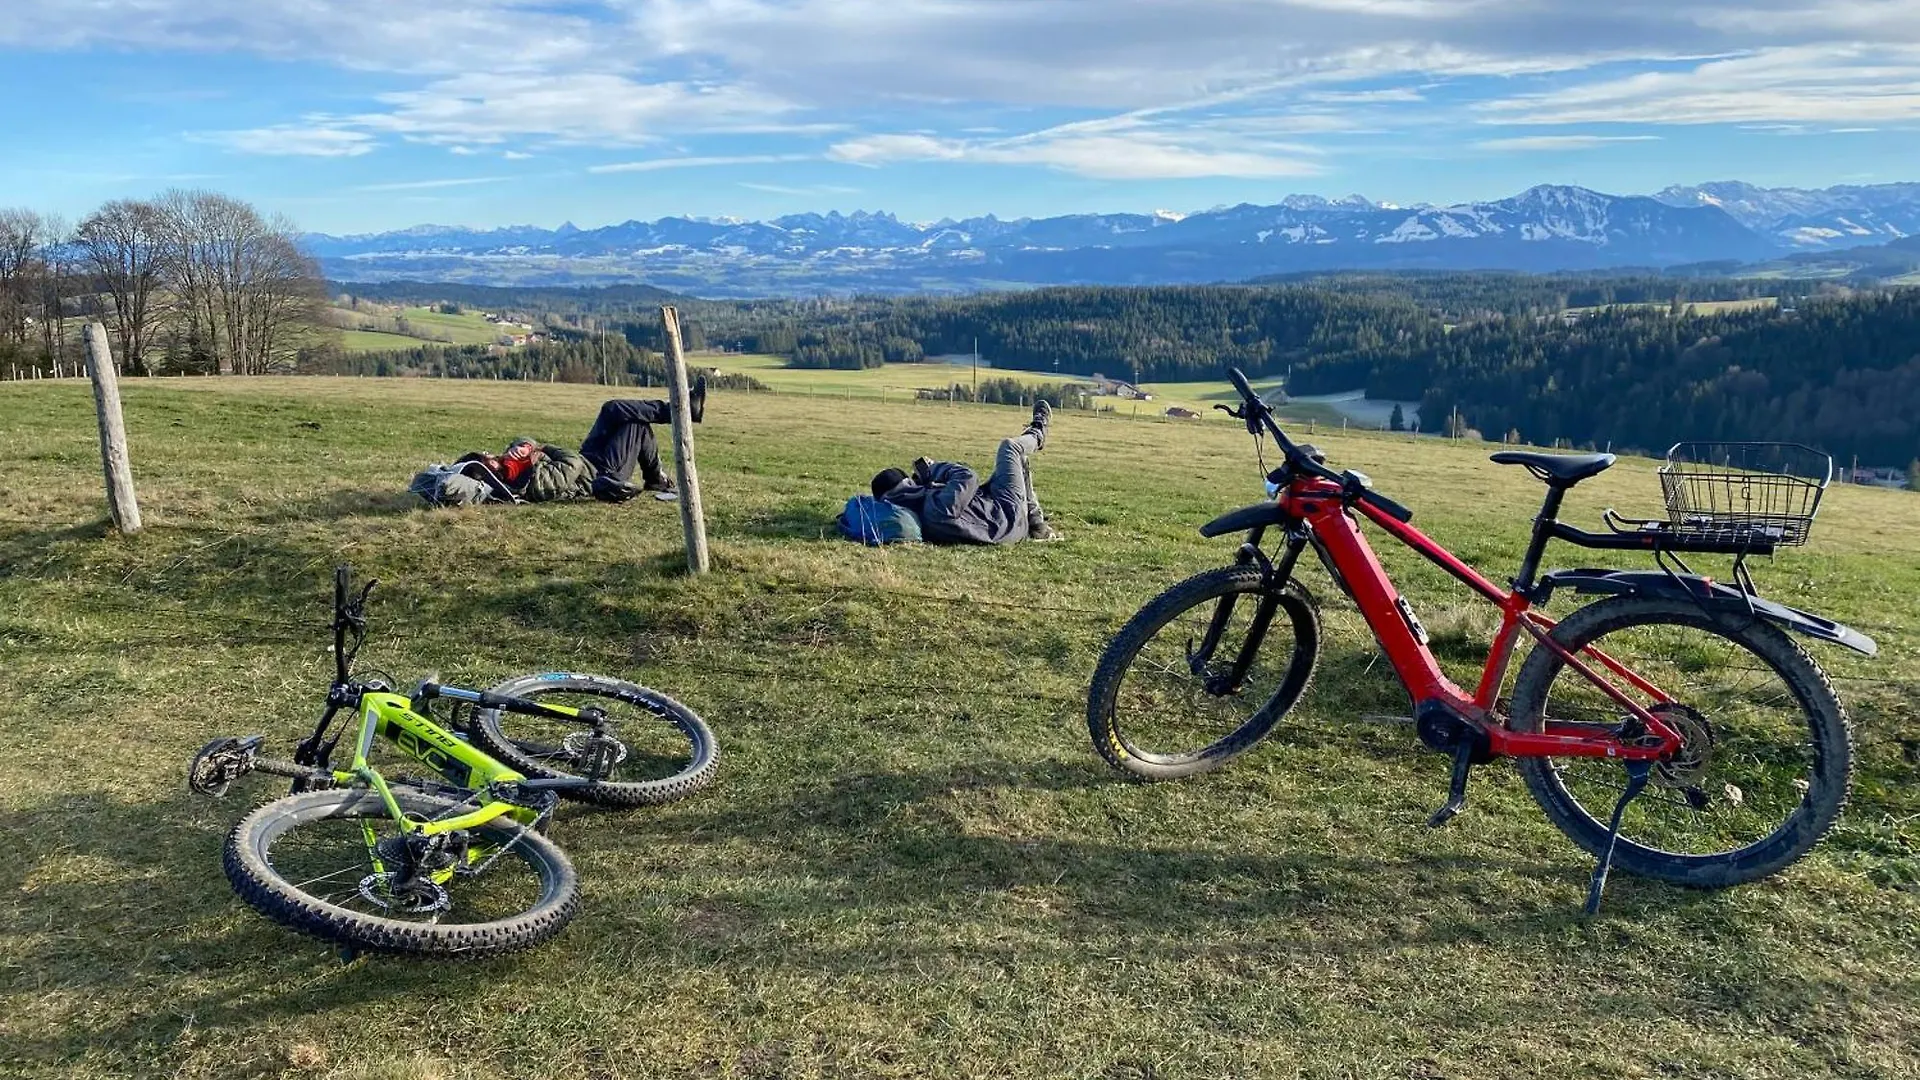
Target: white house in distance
[(1105, 387)]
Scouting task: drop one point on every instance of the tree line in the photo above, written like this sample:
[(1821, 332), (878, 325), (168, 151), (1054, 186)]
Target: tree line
[(1841, 374), (568, 357), (189, 282), (1496, 353)]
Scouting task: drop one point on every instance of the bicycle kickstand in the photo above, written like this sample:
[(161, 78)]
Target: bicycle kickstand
[(1637, 773), (1457, 788)]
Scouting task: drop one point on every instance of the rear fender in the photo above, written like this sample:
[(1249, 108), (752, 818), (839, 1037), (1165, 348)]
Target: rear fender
[(1710, 594)]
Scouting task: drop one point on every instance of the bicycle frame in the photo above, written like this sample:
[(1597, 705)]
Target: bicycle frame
[(1320, 508), (391, 716)]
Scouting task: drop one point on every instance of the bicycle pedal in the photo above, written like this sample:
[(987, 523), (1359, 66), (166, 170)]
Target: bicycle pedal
[(218, 764)]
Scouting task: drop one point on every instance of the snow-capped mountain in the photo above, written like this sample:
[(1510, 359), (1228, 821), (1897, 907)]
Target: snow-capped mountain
[(1544, 228), (1811, 219)]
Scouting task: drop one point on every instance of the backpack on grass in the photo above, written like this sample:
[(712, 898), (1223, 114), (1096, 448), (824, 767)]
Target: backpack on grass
[(875, 522), (467, 483)]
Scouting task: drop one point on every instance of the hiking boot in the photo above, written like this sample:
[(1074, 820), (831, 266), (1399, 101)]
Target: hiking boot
[(1043, 533), (658, 483), (697, 403), (1042, 416), (607, 489)]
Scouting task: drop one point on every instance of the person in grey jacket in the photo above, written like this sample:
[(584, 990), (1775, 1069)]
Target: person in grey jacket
[(954, 507)]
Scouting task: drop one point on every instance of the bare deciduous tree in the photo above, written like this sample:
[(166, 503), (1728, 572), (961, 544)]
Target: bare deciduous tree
[(198, 281), (122, 241), (248, 293), (20, 232), (55, 267)]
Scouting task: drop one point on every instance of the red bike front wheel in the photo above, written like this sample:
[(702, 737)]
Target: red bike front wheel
[(1171, 697)]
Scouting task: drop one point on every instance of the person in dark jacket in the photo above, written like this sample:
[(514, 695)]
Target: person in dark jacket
[(954, 507), (620, 441)]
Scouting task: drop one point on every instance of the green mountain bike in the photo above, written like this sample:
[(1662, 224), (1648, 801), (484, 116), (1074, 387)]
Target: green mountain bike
[(458, 862)]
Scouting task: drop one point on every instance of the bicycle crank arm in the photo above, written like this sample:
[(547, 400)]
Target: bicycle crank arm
[(293, 771)]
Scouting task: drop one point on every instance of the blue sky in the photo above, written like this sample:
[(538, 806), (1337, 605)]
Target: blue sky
[(361, 115)]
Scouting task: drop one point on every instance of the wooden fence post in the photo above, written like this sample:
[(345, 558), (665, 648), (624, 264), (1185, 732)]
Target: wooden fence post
[(692, 521), (113, 432)]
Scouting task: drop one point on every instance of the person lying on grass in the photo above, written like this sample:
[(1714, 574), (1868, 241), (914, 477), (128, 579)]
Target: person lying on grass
[(954, 507), (621, 440)]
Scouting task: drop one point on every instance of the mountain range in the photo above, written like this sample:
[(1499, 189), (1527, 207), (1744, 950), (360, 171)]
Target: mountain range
[(1545, 228)]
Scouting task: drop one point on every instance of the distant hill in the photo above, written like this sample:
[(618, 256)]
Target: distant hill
[(1811, 219), (495, 297), (1545, 228)]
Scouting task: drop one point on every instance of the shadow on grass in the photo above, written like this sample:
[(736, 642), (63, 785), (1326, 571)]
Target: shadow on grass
[(790, 521), (910, 848), (110, 896), (19, 548)]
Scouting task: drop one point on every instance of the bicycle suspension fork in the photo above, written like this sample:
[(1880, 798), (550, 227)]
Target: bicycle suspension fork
[(1274, 578)]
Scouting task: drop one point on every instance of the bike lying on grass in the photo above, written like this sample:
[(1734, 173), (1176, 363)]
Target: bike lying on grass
[(459, 863), (1674, 696)]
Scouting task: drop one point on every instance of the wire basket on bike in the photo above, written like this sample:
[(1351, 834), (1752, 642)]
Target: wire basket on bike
[(1760, 491)]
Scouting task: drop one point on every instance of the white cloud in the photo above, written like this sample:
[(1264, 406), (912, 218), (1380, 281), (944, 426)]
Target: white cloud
[(1798, 85), (428, 185), (1140, 154), (585, 108), (809, 189), (656, 164), (1561, 142), (1179, 87), (292, 140)]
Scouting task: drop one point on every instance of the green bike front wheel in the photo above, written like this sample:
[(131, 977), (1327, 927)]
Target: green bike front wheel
[(332, 864)]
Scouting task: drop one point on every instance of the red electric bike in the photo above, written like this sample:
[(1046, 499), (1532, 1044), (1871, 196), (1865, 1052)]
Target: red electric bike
[(1672, 727)]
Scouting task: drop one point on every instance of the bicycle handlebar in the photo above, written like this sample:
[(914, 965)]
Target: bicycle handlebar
[(1258, 412), (347, 615)]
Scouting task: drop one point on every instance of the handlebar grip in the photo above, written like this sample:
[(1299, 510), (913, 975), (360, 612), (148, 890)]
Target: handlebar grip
[(1387, 506), (1240, 383)]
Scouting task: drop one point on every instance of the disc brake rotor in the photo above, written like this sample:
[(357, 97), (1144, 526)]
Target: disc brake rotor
[(596, 755), (1688, 766)]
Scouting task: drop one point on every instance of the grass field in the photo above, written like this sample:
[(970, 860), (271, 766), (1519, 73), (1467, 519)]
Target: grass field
[(466, 328), (912, 863), (899, 382), (1700, 307)]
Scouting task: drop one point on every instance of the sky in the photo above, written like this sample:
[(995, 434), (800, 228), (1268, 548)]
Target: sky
[(366, 115)]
